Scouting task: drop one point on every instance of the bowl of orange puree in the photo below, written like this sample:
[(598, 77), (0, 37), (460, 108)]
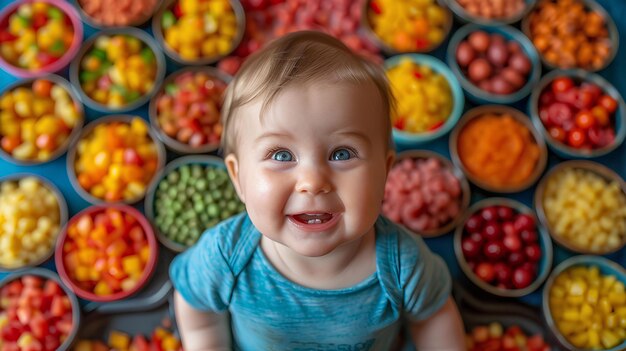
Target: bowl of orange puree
[(498, 149)]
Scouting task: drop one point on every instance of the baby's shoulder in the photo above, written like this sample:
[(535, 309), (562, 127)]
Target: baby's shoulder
[(231, 237)]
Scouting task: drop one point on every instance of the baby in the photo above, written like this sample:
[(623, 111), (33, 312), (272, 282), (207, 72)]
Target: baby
[(311, 264)]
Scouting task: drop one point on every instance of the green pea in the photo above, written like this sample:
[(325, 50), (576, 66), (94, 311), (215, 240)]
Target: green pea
[(211, 175), (213, 210), (216, 194), (173, 177), (199, 207), (231, 206), (190, 191), (177, 207), (171, 192), (204, 217), (201, 184), (225, 214)]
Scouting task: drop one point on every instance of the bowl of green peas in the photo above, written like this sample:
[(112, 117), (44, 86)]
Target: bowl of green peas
[(190, 195)]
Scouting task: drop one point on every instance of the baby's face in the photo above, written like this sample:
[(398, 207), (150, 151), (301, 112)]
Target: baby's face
[(312, 169)]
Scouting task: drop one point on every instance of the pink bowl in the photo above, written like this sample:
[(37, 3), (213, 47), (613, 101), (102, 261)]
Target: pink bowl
[(147, 271), (64, 60)]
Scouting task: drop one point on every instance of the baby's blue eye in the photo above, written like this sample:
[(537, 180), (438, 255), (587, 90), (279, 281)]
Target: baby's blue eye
[(282, 156), (341, 155)]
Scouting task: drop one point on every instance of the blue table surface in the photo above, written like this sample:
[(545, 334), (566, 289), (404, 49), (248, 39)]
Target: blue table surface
[(56, 172)]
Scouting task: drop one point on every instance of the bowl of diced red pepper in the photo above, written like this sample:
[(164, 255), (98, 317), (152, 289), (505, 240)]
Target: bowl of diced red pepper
[(106, 253), (37, 312), (38, 37)]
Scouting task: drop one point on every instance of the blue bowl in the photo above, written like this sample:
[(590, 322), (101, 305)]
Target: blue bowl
[(465, 17), (545, 263), (413, 139), (478, 95), (606, 267), (578, 76), (87, 46)]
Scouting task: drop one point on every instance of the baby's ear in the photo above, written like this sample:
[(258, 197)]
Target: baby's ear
[(232, 166)]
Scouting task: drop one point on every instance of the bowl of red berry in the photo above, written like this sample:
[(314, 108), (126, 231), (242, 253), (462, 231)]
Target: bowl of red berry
[(580, 113), (502, 249)]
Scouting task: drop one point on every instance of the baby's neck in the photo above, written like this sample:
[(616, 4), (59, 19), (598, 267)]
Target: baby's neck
[(346, 266)]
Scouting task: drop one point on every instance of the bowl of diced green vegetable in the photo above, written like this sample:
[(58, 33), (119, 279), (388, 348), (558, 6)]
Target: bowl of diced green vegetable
[(190, 195)]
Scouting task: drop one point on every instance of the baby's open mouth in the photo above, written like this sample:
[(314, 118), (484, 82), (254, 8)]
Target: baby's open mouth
[(313, 218)]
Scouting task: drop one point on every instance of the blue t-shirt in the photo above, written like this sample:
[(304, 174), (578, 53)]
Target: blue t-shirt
[(228, 271)]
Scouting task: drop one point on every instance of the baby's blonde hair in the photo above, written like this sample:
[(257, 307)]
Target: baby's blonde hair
[(298, 58)]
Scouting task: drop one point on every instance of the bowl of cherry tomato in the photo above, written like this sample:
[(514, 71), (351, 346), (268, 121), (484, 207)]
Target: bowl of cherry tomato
[(106, 253), (118, 69), (38, 37), (38, 312), (41, 118), (502, 248), (186, 110), (580, 113)]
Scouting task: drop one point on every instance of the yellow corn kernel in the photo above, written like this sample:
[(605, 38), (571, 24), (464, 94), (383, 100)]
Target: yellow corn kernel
[(119, 340), (608, 339)]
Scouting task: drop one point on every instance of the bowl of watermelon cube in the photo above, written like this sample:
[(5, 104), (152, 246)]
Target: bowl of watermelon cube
[(38, 312)]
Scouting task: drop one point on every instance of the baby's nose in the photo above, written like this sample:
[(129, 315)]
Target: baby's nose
[(313, 180)]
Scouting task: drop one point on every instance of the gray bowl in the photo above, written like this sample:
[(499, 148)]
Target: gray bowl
[(87, 46), (606, 267), (49, 275), (389, 50), (465, 17), (157, 31), (520, 117), (465, 189), (544, 264), (58, 80), (578, 76), (170, 142), (63, 215), (594, 167), (71, 157), (205, 160), (592, 5)]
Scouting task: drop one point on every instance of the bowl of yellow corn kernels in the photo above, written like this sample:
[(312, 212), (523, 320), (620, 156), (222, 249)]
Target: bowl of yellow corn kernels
[(39, 119), (115, 160), (32, 213), (429, 98), (118, 69), (584, 304), (406, 26), (583, 205), (38, 37), (195, 32)]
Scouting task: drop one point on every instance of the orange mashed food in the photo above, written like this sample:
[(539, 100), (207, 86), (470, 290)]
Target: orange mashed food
[(498, 150)]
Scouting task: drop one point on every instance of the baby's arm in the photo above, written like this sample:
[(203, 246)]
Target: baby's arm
[(201, 331), (443, 331)]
